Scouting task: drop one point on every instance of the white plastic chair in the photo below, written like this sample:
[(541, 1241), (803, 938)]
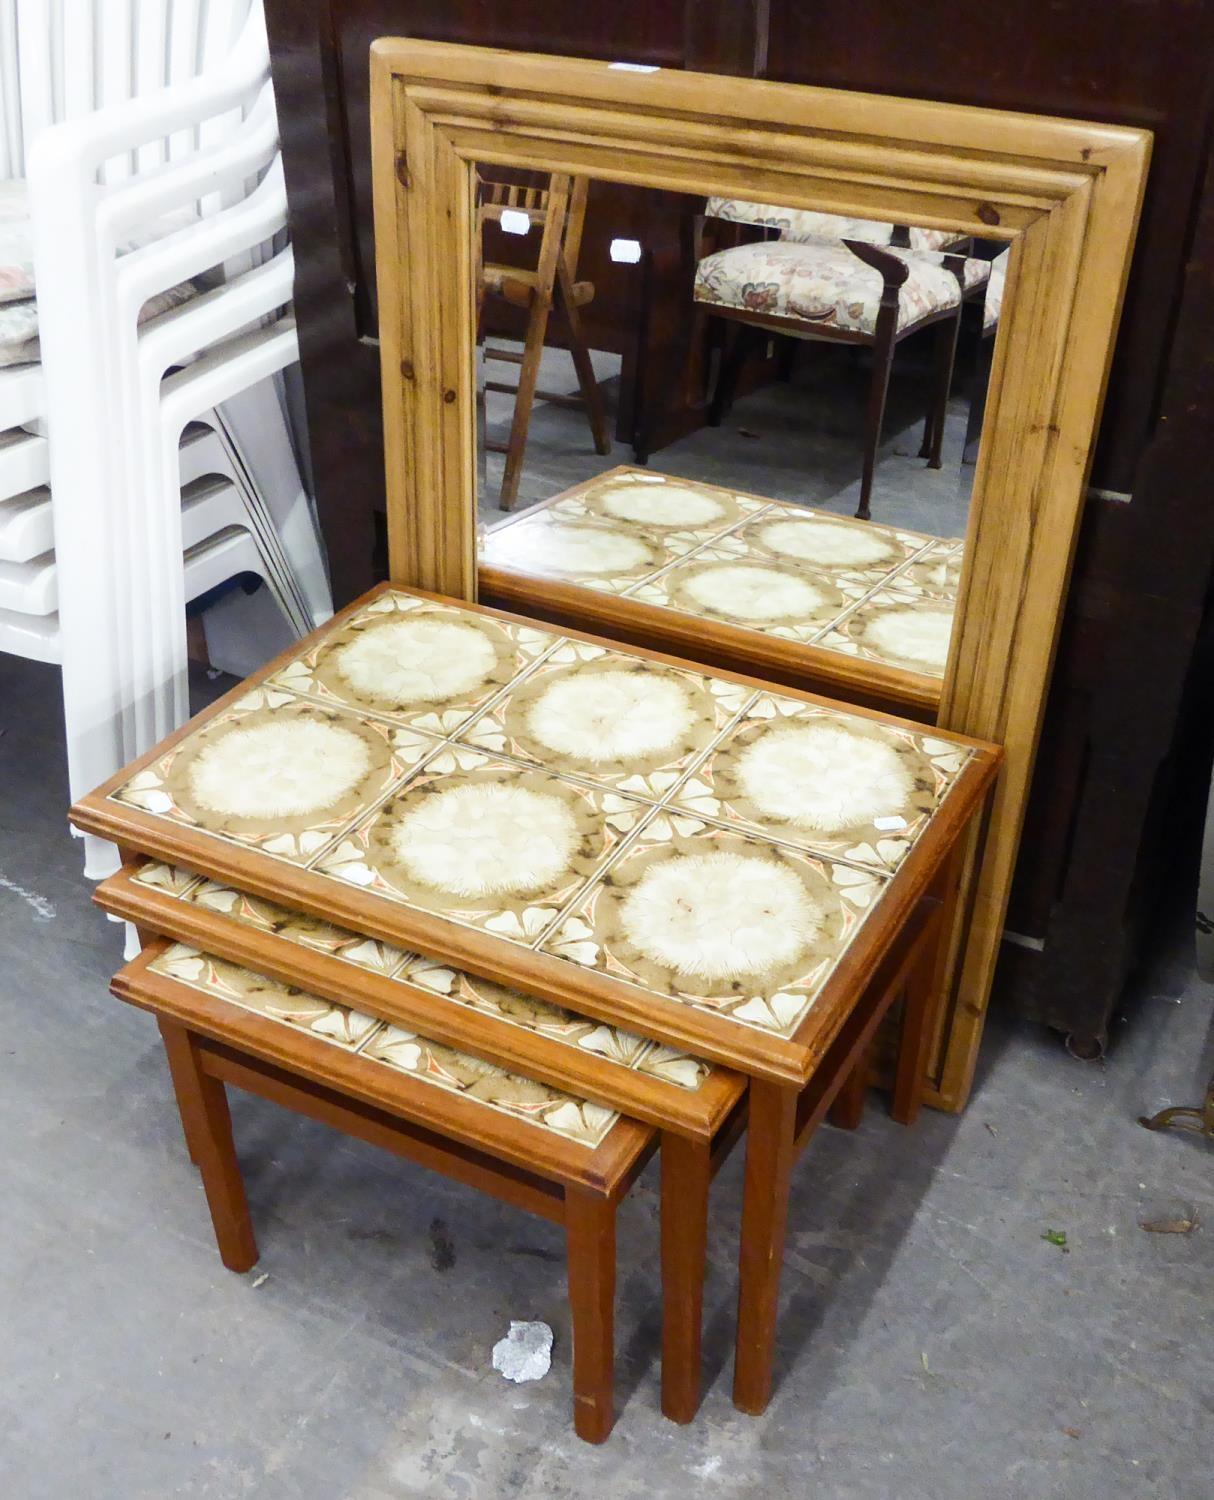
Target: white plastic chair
[(202, 156)]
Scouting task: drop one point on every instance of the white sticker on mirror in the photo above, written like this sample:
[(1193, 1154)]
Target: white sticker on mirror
[(626, 251), (515, 221)]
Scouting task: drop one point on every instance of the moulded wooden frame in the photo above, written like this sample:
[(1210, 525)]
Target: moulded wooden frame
[(1065, 193)]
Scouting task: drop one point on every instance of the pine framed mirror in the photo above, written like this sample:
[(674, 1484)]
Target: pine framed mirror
[(1063, 197)]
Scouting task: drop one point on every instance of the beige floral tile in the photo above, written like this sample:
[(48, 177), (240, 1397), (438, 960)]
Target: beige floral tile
[(598, 714), (719, 921), (749, 591), (296, 927), (557, 1024), (485, 842), (934, 574), (161, 877), (415, 661), (276, 773), (824, 780), (443, 1067), (266, 997), (905, 630), (585, 551), (684, 512), (826, 545), (485, 1083)]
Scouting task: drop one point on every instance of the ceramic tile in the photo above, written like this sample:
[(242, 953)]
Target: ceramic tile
[(741, 588), (905, 630), (297, 927), (557, 1024), (485, 1083), (606, 717), (824, 780), (440, 1066), (415, 661), (934, 574), (681, 511), (591, 553), (485, 842), (277, 773), (827, 546), (161, 877), (719, 921), (266, 997)]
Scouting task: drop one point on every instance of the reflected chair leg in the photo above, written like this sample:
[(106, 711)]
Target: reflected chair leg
[(946, 354), (208, 1128), (686, 1175), (883, 359), (528, 378), (770, 1149), (590, 1250), (734, 357), (848, 1108), (592, 396)]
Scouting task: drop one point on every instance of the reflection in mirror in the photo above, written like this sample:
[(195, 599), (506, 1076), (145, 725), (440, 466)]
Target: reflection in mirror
[(710, 421)]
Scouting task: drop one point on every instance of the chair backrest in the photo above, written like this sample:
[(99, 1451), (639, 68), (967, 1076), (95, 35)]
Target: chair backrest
[(803, 224), (62, 59)]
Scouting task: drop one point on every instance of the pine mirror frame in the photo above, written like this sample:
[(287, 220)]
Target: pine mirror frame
[(1066, 194)]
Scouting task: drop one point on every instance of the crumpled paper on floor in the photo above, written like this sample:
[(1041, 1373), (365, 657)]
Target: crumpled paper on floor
[(525, 1353)]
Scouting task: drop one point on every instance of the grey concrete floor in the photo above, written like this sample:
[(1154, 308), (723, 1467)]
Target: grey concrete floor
[(799, 440), (932, 1343)]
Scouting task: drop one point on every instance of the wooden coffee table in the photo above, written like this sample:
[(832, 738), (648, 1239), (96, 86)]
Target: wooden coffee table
[(747, 875)]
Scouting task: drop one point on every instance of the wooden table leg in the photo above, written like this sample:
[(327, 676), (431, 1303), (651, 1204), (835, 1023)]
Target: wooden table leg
[(208, 1131), (848, 1109), (686, 1176), (770, 1148), (915, 1035), (590, 1250)]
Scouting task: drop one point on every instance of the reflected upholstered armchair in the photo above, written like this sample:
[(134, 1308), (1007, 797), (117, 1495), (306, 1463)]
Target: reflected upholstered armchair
[(838, 280)]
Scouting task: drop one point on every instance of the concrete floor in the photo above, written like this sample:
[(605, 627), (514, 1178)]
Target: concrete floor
[(933, 1345), (799, 440)]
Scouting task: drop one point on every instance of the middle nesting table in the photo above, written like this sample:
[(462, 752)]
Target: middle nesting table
[(738, 873)]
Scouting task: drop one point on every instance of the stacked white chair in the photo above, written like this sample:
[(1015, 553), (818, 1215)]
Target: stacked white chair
[(147, 134)]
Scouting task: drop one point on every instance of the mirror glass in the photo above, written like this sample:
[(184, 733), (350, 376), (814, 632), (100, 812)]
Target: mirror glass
[(731, 417)]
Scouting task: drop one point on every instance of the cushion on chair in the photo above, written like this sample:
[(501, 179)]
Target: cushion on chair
[(16, 243), (993, 305), (822, 284), (800, 224)]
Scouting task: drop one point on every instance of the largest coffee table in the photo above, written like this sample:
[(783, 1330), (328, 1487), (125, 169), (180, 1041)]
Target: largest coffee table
[(694, 856)]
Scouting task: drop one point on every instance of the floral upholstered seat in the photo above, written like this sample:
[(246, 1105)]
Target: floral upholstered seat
[(993, 305), (802, 224), (822, 284)]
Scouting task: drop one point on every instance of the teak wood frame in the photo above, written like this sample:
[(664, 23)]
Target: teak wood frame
[(1066, 194)]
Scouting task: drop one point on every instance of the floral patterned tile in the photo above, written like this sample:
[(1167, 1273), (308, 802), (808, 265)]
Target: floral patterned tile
[(824, 780), (600, 715), (509, 1093), (415, 661), (825, 545), (682, 511), (718, 920), (276, 773), (754, 592), (934, 574), (548, 1020), (485, 842), (297, 927), (901, 629), (457, 1072), (266, 997), (161, 877), (585, 551)]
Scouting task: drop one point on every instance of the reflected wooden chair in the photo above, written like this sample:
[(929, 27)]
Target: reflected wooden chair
[(551, 285), (873, 285)]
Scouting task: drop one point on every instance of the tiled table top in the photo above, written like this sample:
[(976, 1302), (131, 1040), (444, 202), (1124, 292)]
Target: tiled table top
[(649, 842), (804, 576), (429, 1062)]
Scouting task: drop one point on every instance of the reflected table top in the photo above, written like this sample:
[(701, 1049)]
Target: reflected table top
[(648, 542), (683, 853)]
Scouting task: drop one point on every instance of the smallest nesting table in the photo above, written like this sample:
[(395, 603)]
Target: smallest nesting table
[(747, 875)]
